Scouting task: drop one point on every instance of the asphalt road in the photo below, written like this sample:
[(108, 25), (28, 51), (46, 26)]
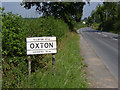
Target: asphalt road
[(105, 45)]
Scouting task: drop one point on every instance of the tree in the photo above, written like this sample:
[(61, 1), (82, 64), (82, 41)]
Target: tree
[(85, 18), (68, 11), (107, 16)]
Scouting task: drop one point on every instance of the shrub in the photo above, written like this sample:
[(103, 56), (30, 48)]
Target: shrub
[(116, 26), (15, 29)]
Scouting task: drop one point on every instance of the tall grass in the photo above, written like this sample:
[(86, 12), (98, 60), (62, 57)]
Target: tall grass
[(69, 72)]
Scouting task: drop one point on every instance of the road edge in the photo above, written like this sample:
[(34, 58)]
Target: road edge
[(96, 67)]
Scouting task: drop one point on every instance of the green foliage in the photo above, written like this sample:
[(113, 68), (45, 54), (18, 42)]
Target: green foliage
[(13, 35), (67, 11), (46, 27), (106, 16), (108, 25), (78, 25), (116, 27), (13, 72), (15, 29)]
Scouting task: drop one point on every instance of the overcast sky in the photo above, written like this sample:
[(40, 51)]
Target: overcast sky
[(87, 9), (15, 7)]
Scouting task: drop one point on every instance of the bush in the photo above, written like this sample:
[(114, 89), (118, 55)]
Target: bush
[(13, 35), (116, 26), (15, 29), (108, 25), (111, 26), (78, 25)]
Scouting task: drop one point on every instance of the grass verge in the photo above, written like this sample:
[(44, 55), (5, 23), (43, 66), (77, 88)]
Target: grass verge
[(69, 72)]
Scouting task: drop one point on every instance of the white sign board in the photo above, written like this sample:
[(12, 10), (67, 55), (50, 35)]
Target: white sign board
[(41, 45)]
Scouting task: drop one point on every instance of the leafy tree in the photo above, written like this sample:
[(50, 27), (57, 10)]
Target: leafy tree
[(85, 19), (89, 21), (1, 9), (107, 15), (68, 11)]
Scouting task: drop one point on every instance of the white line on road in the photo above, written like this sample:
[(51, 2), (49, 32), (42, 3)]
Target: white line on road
[(104, 35), (99, 33), (115, 39)]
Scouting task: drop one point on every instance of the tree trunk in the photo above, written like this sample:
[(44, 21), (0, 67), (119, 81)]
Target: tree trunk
[(106, 15)]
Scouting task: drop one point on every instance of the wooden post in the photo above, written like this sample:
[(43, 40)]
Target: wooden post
[(53, 61), (29, 64)]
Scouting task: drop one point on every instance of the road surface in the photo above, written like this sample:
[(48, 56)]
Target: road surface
[(105, 45)]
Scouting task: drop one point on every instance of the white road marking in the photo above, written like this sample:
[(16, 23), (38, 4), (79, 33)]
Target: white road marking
[(104, 35), (115, 39)]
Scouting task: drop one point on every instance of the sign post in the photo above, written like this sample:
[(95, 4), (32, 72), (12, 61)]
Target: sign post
[(29, 64), (53, 61), (41, 45)]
